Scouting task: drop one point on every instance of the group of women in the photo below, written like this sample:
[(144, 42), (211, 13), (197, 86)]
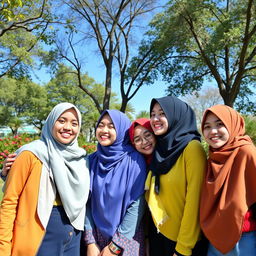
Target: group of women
[(149, 180)]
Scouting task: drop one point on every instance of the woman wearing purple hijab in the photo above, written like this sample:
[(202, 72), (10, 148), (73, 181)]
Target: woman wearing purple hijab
[(116, 206)]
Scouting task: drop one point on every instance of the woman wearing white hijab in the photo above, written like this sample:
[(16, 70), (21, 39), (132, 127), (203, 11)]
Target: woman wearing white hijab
[(43, 208)]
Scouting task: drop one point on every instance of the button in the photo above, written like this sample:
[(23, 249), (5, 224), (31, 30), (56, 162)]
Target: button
[(70, 233)]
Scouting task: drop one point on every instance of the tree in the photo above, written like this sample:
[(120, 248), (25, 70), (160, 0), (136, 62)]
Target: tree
[(143, 114), (112, 24), (200, 101), (18, 99), (23, 25), (206, 40)]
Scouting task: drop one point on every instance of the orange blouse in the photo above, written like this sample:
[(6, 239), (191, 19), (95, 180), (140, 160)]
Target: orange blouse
[(21, 231)]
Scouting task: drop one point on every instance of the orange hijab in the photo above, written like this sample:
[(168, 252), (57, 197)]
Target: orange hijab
[(230, 183)]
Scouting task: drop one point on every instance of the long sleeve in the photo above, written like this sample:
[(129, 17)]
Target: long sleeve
[(131, 222), (13, 188), (89, 234)]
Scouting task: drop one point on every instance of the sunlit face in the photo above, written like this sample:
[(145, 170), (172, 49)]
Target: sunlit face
[(105, 131), (66, 127), (214, 131), (158, 120), (144, 141)]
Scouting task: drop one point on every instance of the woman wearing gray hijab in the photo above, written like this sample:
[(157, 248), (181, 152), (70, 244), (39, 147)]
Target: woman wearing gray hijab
[(43, 207)]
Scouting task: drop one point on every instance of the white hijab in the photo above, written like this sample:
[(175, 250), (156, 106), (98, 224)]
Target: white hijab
[(67, 162)]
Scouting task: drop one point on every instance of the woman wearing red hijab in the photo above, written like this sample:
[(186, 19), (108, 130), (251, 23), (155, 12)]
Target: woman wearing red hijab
[(227, 214), (142, 137)]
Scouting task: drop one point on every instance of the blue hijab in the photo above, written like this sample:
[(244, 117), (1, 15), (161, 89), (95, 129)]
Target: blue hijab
[(118, 174), (67, 162)]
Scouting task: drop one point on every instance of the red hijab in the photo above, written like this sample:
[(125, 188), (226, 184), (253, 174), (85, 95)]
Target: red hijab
[(230, 184), (145, 122)]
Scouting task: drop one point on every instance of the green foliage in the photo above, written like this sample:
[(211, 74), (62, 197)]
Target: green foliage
[(143, 114), (250, 126), (8, 9), (23, 27), (11, 144), (20, 100), (205, 40)]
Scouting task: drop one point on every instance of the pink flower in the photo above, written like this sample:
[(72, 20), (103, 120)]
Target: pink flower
[(3, 154)]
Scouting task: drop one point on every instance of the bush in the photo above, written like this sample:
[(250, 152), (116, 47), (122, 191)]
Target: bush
[(250, 126)]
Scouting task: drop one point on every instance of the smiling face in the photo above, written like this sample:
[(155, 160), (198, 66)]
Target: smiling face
[(105, 131), (144, 141), (214, 131), (158, 120), (66, 127)]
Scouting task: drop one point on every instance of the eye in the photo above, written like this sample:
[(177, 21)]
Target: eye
[(111, 126), (100, 125), (62, 121), (206, 127), (136, 140), (74, 124), (220, 124), (147, 135)]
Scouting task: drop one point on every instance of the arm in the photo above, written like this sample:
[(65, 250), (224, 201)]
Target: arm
[(89, 234), (132, 220), (128, 226), (13, 188), (195, 163)]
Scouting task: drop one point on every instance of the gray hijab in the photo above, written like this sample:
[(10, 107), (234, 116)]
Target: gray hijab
[(67, 162)]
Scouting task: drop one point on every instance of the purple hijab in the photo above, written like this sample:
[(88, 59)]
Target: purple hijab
[(118, 174)]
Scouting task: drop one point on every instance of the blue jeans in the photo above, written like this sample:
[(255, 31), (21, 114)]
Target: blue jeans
[(246, 246), (61, 238)]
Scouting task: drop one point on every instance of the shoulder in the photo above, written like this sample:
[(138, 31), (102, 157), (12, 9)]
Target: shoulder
[(194, 145), (27, 157), (195, 152), (248, 151), (137, 157)]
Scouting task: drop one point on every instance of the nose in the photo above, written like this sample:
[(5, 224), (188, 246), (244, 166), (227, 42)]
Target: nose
[(104, 128), (144, 140), (67, 126), (155, 118), (213, 130)]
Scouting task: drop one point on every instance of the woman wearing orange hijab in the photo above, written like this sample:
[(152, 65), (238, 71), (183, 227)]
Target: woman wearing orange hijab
[(227, 214)]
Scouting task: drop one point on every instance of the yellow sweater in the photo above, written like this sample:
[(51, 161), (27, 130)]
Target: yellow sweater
[(175, 210)]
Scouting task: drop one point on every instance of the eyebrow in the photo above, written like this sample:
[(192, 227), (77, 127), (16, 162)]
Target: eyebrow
[(218, 120), (146, 131), (62, 117), (135, 137)]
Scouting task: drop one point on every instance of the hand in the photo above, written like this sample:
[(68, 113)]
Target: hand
[(93, 250), (106, 252), (7, 164), (174, 254)]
